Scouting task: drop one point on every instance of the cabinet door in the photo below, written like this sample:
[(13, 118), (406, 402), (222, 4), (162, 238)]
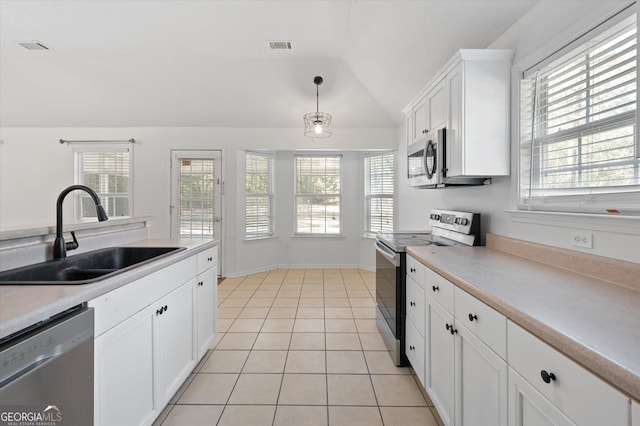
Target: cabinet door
[(579, 394), (455, 130), (527, 406), (415, 305), (437, 107), (419, 119), (414, 348), (124, 373), (439, 359), (206, 302), (481, 382), (173, 341)]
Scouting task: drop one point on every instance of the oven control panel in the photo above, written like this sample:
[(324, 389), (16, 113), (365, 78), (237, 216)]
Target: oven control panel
[(463, 222)]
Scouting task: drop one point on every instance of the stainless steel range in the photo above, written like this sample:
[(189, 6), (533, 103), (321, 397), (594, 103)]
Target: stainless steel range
[(449, 228)]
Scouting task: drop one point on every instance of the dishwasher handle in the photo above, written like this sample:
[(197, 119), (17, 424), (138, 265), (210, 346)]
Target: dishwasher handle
[(16, 375)]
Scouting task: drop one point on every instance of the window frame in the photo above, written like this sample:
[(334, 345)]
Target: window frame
[(369, 195), (78, 153), (271, 194), (592, 203), (296, 196)]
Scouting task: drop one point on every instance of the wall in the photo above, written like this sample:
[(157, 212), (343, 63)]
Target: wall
[(612, 237), (34, 168)]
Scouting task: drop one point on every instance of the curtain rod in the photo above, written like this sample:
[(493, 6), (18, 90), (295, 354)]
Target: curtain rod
[(132, 140)]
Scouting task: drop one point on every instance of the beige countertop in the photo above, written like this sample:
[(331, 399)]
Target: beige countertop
[(594, 322), (23, 306)]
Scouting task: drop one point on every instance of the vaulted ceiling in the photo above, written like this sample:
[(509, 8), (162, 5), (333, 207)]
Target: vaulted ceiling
[(207, 63)]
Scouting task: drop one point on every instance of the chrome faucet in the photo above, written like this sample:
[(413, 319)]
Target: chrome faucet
[(59, 246)]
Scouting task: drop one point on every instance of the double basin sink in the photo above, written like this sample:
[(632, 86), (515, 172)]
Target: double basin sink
[(85, 268)]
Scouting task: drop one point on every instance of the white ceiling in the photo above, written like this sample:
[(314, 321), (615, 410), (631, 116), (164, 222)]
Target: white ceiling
[(207, 63)]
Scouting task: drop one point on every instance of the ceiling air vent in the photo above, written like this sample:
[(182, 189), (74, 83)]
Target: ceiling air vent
[(33, 45), (279, 45)]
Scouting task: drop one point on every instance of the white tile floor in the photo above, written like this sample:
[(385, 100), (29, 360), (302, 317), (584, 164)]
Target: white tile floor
[(299, 347)]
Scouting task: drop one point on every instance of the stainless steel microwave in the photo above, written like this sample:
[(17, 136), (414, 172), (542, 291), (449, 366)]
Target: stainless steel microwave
[(424, 161)]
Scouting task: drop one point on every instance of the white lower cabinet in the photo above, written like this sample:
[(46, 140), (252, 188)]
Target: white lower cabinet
[(122, 354), (141, 362), (150, 334), (635, 413), (482, 370), (527, 406), (576, 393), (414, 349), (206, 300), (173, 342), (439, 359), (480, 382)]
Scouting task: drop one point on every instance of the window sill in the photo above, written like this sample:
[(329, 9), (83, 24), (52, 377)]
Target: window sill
[(595, 222), (317, 236), (258, 239)]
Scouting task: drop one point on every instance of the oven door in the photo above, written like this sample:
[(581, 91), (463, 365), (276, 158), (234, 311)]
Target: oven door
[(390, 270)]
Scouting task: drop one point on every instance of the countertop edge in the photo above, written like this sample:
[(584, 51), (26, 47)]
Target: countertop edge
[(83, 293), (606, 369)]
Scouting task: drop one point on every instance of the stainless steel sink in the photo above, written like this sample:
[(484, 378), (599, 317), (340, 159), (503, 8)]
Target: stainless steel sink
[(85, 268)]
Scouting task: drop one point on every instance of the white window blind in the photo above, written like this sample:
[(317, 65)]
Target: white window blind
[(578, 147), (379, 192), (196, 198), (108, 173), (318, 193), (259, 195)]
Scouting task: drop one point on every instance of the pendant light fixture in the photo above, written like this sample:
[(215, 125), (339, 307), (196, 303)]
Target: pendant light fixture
[(317, 124)]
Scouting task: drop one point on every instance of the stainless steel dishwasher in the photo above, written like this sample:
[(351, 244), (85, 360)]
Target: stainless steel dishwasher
[(46, 372)]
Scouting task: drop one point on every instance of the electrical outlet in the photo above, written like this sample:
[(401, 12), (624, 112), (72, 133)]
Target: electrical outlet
[(582, 239)]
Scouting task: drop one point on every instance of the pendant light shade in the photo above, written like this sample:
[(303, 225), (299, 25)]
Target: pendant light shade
[(317, 124)]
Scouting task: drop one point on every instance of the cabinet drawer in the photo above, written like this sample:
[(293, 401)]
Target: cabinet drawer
[(416, 270), (583, 397), (415, 304), (414, 349), (486, 323), (117, 305), (207, 259), (439, 289)]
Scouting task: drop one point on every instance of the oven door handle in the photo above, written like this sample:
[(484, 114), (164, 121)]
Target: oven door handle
[(390, 255)]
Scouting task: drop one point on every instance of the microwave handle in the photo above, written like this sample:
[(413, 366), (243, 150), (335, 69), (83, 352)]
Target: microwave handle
[(424, 156), (442, 136)]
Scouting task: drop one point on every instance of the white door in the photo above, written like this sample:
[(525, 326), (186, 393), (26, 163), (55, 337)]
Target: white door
[(196, 196), (480, 382)]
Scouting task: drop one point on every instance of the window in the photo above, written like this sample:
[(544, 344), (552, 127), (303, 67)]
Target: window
[(196, 198), (259, 195), (578, 147), (378, 192), (318, 193), (108, 172)]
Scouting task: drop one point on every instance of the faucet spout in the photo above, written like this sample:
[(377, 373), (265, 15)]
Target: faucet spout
[(59, 245)]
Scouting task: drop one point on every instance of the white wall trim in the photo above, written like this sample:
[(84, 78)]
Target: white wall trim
[(628, 225)]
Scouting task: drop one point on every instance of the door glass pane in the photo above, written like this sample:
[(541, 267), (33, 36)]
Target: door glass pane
[(196, 198)]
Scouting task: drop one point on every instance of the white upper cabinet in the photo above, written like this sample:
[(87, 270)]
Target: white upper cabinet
[(470, 98), (419, 127)]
